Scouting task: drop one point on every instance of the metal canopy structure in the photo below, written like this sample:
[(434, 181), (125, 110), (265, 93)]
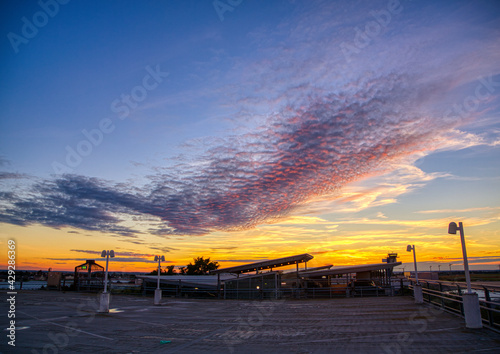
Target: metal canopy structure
[(350, 269), (273, 263), (89, 276)]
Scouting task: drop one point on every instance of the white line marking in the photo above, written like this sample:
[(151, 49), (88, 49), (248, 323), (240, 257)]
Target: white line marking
[(71, 328)]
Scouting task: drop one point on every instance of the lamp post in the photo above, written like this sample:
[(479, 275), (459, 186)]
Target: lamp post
[(104, 303), (452, 229), (430, 268), (417, 288), (157, 298), (439, 268), (470, 300)]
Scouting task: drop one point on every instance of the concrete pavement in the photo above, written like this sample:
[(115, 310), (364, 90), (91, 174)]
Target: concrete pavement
[(54, 322)]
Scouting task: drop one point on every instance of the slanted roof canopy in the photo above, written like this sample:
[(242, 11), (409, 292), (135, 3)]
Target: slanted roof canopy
[(273, 263), (349, 269)]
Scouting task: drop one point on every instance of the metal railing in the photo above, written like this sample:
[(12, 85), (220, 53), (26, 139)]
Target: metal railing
[(448, 295), (267, 293)]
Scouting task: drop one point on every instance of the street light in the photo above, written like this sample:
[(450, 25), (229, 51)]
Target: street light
[(107, 254), (410, 248), (417, 288), (157, 298), (452, 229), (470, 300), (104, 303), (439, 268), (430, 268)]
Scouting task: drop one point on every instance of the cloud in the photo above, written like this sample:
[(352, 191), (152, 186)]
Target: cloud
[(300, 154), (11, 175), (215, 249), (320, 125), (448, 211), (163, 249), (426, 223), (116, 259), (242, 260), (475, 260), (118, 254)]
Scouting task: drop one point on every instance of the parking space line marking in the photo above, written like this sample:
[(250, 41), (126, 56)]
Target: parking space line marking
[(71, 328)]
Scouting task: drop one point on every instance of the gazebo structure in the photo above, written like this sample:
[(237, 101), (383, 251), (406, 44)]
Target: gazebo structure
[(89, 276)]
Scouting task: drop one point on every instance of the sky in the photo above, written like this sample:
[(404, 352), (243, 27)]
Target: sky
[(249, 130)]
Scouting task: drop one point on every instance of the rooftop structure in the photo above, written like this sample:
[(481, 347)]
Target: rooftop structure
[(89, 276), (269, 264), (350, 269)]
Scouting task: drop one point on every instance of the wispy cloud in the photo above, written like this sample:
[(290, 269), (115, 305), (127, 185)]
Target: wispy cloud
[(119, 254), (241, 260), (448, 211), (116, 259)]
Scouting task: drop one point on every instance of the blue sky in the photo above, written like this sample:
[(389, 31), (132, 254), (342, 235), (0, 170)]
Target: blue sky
[(185, 119)]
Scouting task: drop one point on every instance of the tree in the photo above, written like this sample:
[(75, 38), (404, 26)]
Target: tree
[(201, 266), (155, 272), (170, 270)]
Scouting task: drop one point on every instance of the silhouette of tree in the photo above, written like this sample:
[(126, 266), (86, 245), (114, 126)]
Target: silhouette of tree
[(170, 270), (155, 272), (201, 266)]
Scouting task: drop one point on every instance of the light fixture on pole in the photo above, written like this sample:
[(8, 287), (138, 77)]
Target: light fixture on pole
[(157, 298), (430, 268), (439, 268), (104, 303), (107, 254), (417, 288), (470, 300), (452, 229), (410, 248)]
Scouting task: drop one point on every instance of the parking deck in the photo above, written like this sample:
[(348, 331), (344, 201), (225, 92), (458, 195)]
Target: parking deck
[(55, 322)]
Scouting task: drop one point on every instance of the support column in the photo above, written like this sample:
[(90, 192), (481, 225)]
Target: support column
[(104, 303), (417, 294), (157, 299), (472, 311)]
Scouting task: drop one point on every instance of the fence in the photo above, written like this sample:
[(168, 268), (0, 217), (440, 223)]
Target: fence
[(185, 289), (207, 290), (448, 295)]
